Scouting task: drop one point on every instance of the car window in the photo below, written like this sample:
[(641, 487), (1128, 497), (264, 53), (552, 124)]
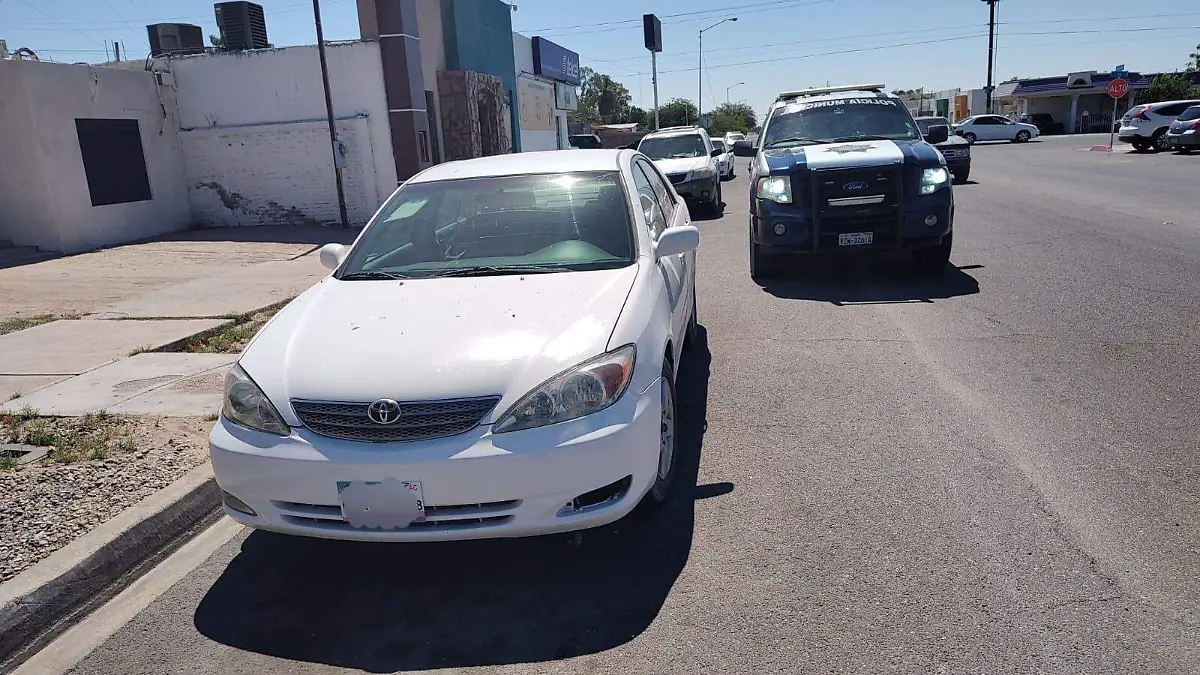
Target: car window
[(666, 196), (718, 145), (835, 120), (673, 147), (1192, 113), (566, 221), (649, 200), (1175, 108), (986, 120)]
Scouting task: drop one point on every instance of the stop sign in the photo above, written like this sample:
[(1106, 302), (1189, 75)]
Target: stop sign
[(1118, 88)]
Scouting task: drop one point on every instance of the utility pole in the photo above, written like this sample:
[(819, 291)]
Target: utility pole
[(700, 72), (991, 52), (333, 138)]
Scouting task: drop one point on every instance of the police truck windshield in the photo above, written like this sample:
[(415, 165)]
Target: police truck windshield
[(840, 120)]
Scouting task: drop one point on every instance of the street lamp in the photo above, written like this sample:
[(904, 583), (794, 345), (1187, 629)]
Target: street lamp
[(700, 73), (731, 87)]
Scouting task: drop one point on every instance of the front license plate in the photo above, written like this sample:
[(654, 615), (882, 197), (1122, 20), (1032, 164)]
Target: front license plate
[(389, 504), (856, 238)]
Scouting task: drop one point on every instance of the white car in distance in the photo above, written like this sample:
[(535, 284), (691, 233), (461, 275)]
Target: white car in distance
[(995, 128), (725, 160), (494, 356)]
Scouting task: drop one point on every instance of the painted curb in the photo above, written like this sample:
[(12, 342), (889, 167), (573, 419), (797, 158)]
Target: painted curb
[(43, 600)]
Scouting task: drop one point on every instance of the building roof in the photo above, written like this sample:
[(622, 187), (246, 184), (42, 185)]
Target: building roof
[(1058, 84), (523, 163)]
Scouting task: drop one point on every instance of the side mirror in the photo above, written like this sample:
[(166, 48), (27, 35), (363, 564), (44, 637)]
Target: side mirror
[(676, 240), (715, 153), (332, 255), (744, 149), (938, 133)]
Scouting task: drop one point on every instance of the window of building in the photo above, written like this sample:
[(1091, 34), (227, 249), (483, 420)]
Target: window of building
[(113, 160)]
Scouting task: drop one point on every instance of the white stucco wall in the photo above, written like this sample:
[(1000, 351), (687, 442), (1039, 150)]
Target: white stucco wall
[(44, 197), (255, 137), (537, 139)]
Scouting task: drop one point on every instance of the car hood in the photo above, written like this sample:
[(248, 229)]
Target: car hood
[(847, 155), (426, 339), (681, 165)]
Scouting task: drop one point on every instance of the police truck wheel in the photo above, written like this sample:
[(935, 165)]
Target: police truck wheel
[(932, 261), (762, 265), (962, 175)]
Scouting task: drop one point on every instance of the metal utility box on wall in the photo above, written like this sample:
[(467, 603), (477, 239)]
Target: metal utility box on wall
[(242, 25), (175, 38)]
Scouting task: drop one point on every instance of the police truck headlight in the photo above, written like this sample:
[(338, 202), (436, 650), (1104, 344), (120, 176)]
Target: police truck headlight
[(775, 188), (934, 179)]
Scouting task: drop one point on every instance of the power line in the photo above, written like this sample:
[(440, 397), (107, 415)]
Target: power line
[(708, 14), (45, 14), (722, 10)]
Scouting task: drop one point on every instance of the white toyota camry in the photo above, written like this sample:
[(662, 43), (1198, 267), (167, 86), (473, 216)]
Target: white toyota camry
[(494, 356)]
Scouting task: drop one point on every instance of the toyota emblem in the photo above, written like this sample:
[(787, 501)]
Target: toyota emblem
[(384, 411), (855, 186)]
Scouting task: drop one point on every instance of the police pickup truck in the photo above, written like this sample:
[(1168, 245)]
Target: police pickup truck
[(847, 168)]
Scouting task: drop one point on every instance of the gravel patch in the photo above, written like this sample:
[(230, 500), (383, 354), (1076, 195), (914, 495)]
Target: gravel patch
[(98, 466)]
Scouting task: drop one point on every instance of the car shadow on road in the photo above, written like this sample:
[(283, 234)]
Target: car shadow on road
[(863, 281), (384, 608)]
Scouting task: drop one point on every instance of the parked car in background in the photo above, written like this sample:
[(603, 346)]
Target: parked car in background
[(585, 141), (687, 157), (724, 160), (1184, 133), (474, 413), (1045, 123), (995, 128), (1145, 126), (955, 149)]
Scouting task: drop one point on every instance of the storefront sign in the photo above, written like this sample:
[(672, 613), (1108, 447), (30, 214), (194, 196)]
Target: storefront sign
[(565, 97), (536, 102), (555, 62)]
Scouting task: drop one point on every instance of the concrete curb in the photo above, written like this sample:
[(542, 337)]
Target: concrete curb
[(44, 599)]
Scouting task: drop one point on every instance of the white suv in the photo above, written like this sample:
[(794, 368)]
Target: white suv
[(686, 156), (1145, 126)]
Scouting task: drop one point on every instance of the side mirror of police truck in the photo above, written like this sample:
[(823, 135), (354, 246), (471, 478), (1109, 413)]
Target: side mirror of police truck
[(743, 149), (938, 133)]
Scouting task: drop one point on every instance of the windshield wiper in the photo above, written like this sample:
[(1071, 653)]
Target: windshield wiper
[(794, 139), (372, 275), (845, 139), (490, 270)]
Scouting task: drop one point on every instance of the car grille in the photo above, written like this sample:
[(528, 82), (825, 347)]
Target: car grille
[(677, 177), (874, 208), (454, 517), (953, 152), (419, 421)]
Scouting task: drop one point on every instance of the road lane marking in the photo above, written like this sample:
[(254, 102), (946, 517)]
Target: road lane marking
[(74, 645)]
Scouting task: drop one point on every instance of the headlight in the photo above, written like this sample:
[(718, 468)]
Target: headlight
[(589, 387), (775, 188), (246, 405), (705, 172), (934, 179)]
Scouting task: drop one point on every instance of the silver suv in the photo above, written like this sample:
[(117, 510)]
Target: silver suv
[(687, 157), (1145, 126)]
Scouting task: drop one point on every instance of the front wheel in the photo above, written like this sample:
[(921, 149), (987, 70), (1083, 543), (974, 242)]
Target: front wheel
[(1023, 136), (762, 265), (931, 261), (962, 175), (714, 207), (665, 476), (970, 137)]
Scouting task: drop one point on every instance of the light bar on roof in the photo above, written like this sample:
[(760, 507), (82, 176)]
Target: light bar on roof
[(800, 93)]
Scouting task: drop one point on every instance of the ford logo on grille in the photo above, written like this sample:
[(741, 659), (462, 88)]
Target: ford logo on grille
[(855, 186), (383, 411)]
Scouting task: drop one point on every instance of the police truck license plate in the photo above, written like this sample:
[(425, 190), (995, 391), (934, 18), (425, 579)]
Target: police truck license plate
[(856, 238), (389, 504)]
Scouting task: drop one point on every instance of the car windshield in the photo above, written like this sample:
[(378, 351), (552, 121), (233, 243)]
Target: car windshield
[(1192, 113), (497, 225), (719, 145), (923, 123), (673, 147), (830, 121)]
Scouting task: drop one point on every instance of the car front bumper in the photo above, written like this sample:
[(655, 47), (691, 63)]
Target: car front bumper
[(700, 189), (476, 485)]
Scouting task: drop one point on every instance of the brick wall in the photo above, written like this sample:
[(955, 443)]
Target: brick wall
[(274, 174)]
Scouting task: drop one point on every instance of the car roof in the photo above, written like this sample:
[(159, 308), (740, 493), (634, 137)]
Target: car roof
[(1159, 104), (523, 163), (676, 131)]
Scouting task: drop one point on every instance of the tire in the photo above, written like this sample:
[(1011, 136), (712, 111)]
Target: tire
[(731, 172), (962, 175), (1159, 142), (1140, 146), (933, 261), (970, 138), (668, 458), (1022, 136), (762, 265), (714, 207), (690, 335)]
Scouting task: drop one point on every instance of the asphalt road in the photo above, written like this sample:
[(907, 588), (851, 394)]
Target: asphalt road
[(995, 471)]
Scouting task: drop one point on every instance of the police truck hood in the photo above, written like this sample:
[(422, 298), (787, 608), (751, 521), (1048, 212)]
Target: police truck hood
[(848, 155)]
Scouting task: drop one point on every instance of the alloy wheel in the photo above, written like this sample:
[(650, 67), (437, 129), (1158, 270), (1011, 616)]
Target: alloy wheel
[(666, 437)]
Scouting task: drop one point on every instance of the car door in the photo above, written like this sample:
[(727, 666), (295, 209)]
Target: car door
[(658, 203), (986, 128)]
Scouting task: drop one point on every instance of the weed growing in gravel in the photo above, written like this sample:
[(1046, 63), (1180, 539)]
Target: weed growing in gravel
[(233, 338), (211, 417), (94, 436)]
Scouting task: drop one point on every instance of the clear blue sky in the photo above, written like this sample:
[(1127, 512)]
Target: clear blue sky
[(781, 44)]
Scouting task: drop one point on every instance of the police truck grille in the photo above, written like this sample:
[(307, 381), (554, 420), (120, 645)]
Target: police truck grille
[(418, 421), (863, 199)]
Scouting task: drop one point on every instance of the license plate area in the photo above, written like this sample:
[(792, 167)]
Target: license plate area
[(856, 239), (389, 504)]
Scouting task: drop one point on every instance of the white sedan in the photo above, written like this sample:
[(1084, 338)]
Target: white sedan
[(994, 128), (494, 356), (725, 160)]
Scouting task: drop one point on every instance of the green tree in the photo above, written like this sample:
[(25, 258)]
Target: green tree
[(1170, 87), (677, 112), (602, 100), (216, 41), (641, 117), (1194, 60), (740, 111)]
